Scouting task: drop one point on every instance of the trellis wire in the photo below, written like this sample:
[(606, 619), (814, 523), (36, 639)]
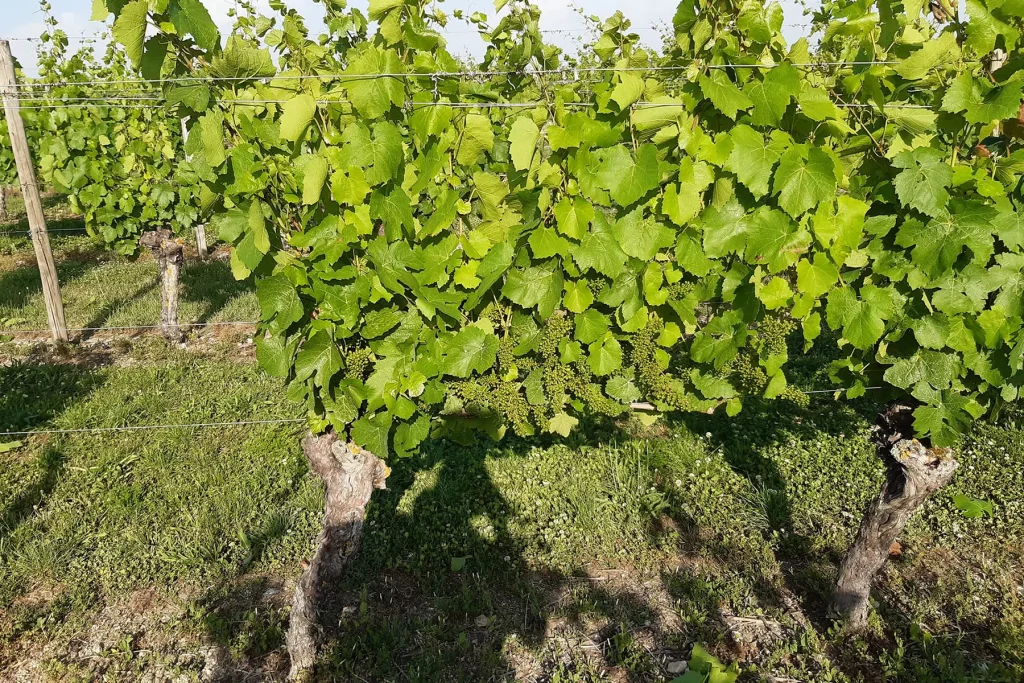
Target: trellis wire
[(139, 428), (193, 425), (136, 327), (461, 74), (413, 105)]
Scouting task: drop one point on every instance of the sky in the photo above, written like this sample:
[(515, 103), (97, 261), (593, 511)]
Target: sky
[(23, 19)]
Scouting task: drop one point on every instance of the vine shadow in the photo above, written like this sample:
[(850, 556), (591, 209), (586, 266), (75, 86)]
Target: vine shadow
[(211, 284), (32, 393)]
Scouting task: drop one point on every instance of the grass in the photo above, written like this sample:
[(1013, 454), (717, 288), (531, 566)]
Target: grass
[(593, 559), (165, 554), (103, 289)]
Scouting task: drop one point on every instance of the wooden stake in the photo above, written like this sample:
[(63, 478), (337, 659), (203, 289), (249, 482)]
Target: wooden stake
[(30, 191), (201, 228)]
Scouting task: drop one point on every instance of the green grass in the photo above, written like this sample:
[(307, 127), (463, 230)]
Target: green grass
[(597, 558), (102, 289)]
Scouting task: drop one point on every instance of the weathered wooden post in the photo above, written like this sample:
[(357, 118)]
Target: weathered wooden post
[(30, 191)]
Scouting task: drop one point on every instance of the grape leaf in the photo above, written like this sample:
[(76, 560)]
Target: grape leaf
[(753, 158), (805, 177), (523, 140), (374, 96), (625, 179), (372, 432), (296, 115), (318, 358), (923, 182), (642, 237), (537, 287), (938, 244), (471, 350), (771, 95), (724, 94), (574, 216), (605, 355), (599, 250), (980, 101)]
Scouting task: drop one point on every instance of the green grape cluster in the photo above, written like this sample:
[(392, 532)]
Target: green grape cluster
[(358, 363), (651, 376), (769, 339), (679, 290), (508, 400)]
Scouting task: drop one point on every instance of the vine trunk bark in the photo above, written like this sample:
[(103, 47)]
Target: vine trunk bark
[(350, 475), (913, 472), (3, 203), (169, 256)]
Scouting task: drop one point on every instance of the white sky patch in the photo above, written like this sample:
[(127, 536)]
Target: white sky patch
[(24, 20)]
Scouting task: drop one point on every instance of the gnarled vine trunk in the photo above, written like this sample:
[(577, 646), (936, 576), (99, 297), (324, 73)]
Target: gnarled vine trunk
[(913, 472), (169, 255), (350, 475), (3, 203)]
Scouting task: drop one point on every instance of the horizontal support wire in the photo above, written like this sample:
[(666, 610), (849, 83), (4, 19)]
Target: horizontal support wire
[(211, 323), (462, 74), (138, 428), (419, 105)]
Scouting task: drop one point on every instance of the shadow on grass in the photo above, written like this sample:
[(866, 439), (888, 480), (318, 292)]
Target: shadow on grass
[(32, 394), (211, 284), (19, 286)]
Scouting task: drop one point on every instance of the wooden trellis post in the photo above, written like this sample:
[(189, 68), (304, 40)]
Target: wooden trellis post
[(200, 227), (30, 191)]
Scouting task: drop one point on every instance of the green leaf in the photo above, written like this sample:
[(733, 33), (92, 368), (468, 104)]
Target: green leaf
[(774, 240), (814, 279), (374, 96), (190, 17), (130, 29), (545, 243), (753, 158), (626, 180), (599, 250), (938, 245), (578, 296), (622, 390), (923, 182), (372, 432), (981, 101), (8, 446), (378, 8), (771, 96), (861, 323), (314, 174), (99, 10), (590, 326), (805, 177), (318, 358), (562, 423), (931, 54), (296, 115), (724, 94), (523, 141), (642, 237), (574, 216), (274, 354), (477, 137), (279, 302), (973, 508), (936, 368), (605, 355), (775, 294), (471, 350), (537, 287)]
